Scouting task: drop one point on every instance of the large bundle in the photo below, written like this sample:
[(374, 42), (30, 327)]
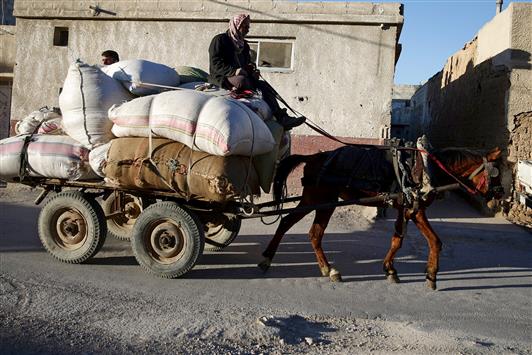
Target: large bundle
[(86, 97), (132, 73), (192, 174), (49, 156), (212, 124), (43, 121)]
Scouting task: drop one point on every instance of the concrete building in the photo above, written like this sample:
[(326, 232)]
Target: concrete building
[(334, 62), (404, 125), (483, 96)]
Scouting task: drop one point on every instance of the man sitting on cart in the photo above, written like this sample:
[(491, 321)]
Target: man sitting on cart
[(231, 68)]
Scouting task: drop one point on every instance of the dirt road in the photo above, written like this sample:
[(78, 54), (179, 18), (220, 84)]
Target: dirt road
[(226, 305)]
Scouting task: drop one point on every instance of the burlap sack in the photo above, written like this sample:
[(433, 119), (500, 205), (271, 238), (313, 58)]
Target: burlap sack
[(198, 176)]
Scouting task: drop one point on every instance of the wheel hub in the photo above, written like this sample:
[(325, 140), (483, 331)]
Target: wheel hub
[(132, 210), (71, 229), (166, 241)]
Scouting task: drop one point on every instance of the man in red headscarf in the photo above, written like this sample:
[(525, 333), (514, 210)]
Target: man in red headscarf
[(231, 68)]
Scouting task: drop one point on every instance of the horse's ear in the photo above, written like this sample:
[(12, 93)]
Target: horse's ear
[(494, 154)]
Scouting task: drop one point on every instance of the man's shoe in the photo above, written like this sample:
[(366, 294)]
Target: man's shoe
[(289, 122)]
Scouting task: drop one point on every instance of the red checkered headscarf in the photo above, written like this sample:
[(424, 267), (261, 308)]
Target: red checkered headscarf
[(234, 27)]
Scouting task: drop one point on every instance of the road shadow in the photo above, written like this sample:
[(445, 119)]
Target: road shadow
[(471, 252)]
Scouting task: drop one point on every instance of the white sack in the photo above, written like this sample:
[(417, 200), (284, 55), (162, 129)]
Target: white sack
[(29, 124), (131, 120), (212, 124), (132, 72), (86, 97), (98, 158), (49, 156)]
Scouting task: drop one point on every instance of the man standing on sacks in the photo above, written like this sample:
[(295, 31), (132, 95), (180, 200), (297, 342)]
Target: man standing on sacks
[(231, 68)]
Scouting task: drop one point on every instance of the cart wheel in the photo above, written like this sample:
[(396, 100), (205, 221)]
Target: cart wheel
[(72, 227), (120, 224), (220, 236), (167, 240)]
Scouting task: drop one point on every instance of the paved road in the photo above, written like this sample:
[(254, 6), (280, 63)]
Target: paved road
[(226, 305)]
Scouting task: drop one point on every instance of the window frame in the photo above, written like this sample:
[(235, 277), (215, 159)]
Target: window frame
[(258, 40)]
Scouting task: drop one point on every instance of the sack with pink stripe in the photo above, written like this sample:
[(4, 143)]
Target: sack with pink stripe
[(51, 156), (215, 125)]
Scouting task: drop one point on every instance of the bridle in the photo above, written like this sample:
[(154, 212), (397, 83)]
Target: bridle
[(489, 171)]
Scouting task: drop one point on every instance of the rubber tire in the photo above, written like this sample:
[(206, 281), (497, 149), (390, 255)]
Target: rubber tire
[(96, 227), (113, 230), (191, 232), (219, 237)]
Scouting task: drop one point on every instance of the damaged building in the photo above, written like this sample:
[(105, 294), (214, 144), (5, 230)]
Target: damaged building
[(482, 98)]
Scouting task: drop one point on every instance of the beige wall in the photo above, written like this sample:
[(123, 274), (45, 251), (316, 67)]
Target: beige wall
[(7, 48), (343, 61)]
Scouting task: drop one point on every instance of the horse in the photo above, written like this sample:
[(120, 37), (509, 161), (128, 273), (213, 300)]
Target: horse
[(354, 172)]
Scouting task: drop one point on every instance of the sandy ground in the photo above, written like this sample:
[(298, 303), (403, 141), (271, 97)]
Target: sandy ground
[(226, 305)]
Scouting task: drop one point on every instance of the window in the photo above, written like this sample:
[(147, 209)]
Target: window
[(272, 54), (61, 36)]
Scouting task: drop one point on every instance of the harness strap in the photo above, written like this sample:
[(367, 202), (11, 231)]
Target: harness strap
[(326, 165), (478, 170)]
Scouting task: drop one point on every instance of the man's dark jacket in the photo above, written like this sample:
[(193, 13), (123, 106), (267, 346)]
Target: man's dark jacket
[(224, 59)]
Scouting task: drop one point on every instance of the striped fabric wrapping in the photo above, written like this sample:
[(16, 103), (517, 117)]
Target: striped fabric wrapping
[(51, 156), (212, 124)]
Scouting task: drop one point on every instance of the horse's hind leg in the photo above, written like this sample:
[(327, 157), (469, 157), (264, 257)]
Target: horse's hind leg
[(316, 233), (286, 223), (397, 241), (423, 225)]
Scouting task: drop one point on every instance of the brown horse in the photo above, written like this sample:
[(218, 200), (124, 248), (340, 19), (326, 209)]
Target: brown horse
[(354, 172)]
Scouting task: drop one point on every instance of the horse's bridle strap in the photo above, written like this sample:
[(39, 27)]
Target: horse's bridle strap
[(479, 169)]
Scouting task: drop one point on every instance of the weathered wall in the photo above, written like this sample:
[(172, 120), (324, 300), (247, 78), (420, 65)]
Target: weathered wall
[(343, 61), (5, 105), (7, 48), (404, 125), (479, 98)]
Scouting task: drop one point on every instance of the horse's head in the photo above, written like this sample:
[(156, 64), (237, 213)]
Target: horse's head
[(479, 172), (484, 175)]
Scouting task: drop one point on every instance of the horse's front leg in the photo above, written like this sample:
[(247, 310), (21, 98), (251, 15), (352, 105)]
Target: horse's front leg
[(396, 243), (434, 242), (286, 223), (316, 233)]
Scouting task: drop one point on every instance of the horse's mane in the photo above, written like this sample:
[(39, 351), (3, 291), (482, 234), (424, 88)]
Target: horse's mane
[(454, 157)]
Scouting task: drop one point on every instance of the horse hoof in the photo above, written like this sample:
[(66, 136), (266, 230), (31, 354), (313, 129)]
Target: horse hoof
[(431, 284), (335, 276), (265, 265), (325, 271), (393, 278)]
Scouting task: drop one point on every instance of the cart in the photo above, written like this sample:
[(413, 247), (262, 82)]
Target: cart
[(168, 233)]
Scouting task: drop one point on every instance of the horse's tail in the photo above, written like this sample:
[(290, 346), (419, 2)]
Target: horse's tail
[(284, 169)]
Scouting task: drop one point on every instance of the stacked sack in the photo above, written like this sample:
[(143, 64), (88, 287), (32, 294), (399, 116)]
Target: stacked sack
[(208, 135), (41, 149)]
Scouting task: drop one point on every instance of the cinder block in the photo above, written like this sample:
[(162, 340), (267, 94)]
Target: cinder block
[(285, 7), (310, 8), (191, 5), (359, 8), (265, 7)]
